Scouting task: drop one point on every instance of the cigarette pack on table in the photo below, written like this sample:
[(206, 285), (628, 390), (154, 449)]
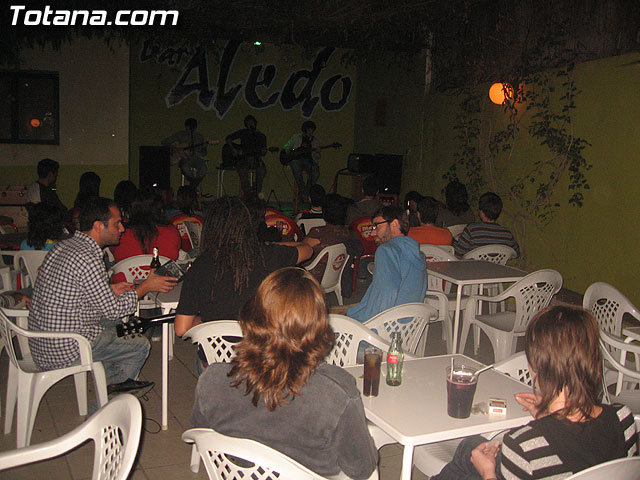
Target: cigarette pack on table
[(497, 406)]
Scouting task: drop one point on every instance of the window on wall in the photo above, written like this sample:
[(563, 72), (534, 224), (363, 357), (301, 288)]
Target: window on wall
[(29, 107)]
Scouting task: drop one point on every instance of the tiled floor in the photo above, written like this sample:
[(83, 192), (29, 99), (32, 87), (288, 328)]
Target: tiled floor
[(162, 454)]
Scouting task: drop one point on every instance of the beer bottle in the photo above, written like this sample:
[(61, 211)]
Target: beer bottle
[(395, 359), (155, 261)]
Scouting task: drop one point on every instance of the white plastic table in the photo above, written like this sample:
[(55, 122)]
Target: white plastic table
[(415, 413), (471, 272), (167, 301)]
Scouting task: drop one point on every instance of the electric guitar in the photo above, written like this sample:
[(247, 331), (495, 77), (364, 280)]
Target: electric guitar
[(229, 160), (140, 325), (302, 152)]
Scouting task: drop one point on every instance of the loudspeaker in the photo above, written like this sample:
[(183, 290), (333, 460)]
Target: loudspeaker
[(361, 163), (389, 170), (154, 167)]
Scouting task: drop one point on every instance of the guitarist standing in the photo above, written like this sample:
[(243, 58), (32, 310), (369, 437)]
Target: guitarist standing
[(253, 146), (304, 148)]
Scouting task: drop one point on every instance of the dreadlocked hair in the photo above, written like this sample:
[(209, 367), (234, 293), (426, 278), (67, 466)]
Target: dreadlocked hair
[(229, 234)]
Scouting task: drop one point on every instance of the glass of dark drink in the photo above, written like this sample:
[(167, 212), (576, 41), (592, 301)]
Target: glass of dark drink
[(372, 360), (461, 387)]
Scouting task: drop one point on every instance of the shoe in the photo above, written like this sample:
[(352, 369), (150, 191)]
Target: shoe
[(127, 386)]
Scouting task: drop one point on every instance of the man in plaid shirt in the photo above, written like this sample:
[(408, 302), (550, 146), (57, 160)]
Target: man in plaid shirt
[(72, 294)]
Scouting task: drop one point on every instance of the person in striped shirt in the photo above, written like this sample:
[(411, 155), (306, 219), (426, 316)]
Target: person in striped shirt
[(572, 430), (488, 231)]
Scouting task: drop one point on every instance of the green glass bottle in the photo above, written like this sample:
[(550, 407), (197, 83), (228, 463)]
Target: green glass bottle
[(395, 359)]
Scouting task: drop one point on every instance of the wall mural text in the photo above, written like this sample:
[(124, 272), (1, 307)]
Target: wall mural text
[(300, 89)]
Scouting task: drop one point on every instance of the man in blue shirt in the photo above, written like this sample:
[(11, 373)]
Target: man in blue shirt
[(400, 276)]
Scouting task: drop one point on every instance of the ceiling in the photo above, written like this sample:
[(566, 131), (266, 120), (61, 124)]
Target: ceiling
[(471, 41)]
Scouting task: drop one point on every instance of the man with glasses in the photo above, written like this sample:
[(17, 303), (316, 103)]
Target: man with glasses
[(400, 276)]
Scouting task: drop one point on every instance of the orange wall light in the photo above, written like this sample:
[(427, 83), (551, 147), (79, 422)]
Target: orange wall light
[(496, 92)]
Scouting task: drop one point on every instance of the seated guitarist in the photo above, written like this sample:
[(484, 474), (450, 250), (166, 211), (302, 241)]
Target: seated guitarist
[(187, 143), (253, 146), (307, 160)]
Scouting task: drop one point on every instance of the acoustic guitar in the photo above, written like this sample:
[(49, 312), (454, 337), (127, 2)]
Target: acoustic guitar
[(229, 160), (192, 166), (140, 325), (302, 152), (182, 150)]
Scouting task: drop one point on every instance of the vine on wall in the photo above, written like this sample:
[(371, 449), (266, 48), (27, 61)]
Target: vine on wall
[(537, 108)]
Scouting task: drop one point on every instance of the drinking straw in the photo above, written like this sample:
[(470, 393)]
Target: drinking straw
[(451, 371)]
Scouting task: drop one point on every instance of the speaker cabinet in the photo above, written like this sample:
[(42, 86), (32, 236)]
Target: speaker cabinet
[(154, 167), (389, 170)]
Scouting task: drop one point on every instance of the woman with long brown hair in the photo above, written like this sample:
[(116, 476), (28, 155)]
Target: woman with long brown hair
[(572, 430), (278, 391)]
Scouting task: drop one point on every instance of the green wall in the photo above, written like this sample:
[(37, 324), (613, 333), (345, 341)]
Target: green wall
[(398, 84), (597, 242)]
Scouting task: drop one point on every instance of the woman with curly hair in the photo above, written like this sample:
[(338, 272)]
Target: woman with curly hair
[(279, 392)]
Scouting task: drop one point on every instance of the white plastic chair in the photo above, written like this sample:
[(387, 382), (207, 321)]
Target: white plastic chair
[(495, 253), (136, 267), (132, 269), (306, 224), (210, 337), (26, 384), (337, 260), (349, 334), (436, 287), (614, 350), (217, 451), (435, 251), (609, 306), (532, 293), (32, 260), (115, 430), (456, 230), (412, 332), (430, 459), (626, 468)]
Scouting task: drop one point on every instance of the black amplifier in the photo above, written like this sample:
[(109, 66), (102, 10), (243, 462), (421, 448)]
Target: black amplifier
[(362, 163)]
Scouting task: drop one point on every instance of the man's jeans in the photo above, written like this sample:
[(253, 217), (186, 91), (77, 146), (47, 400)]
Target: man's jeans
[(121, 357), (305, 165), (460, 466)]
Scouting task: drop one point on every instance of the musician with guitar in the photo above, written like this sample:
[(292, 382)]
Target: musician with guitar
[(188, 149), (248, 154), (302, 153)]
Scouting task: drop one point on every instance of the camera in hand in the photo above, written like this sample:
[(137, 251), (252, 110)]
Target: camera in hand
[(170, 269)]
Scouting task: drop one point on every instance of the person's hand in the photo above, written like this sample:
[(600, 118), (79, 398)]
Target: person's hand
[(21, 297), (121, 287), (156, 283), (483, 457), (160, 283), (529, 402)]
